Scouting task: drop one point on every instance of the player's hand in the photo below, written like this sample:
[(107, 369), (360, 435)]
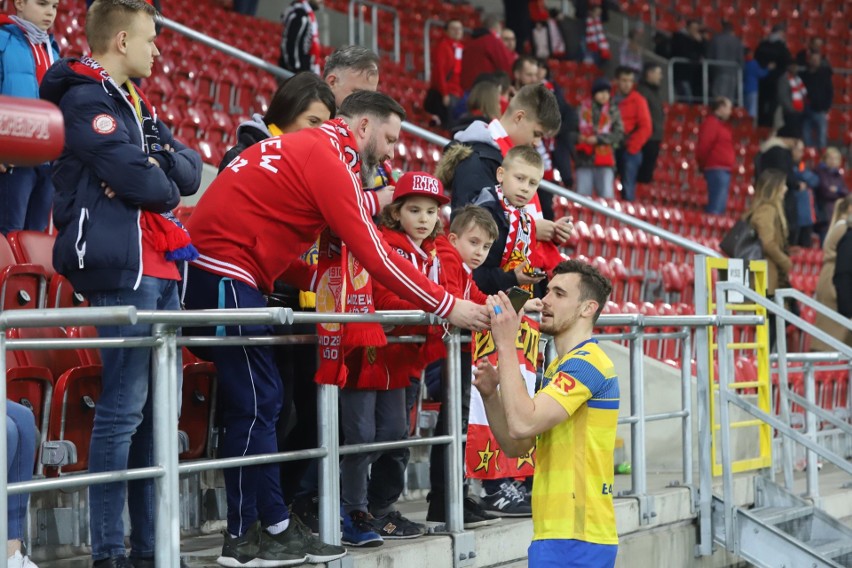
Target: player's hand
[(534, 305), (504, 321), (486, 379), (467, 315), (385, 196)]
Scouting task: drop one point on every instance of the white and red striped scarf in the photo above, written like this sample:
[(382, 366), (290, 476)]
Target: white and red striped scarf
[(596, 41), (520, 238), (798, 92)]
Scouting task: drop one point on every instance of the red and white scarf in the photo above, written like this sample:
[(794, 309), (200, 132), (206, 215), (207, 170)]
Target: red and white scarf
[(520, 239), (316, 53), (602, 154), (798, 92), (596, 41), (343, 285)]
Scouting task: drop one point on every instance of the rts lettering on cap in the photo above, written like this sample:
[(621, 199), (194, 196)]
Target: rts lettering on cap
[(420, 183)]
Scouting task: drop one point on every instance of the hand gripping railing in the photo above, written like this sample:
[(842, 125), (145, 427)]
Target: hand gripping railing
[(726, 396), (428, 136)]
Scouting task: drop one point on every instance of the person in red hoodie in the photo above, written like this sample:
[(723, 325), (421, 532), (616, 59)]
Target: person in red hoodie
[(636, 119), (715, 154), (383, 382), (485, 52), (445, 89)]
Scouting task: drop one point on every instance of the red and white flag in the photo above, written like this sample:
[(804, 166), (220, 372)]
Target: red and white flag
[(483, 457)]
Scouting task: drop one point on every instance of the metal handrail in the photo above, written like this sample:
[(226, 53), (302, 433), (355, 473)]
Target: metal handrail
[(705, 77), (783, 293), (782, 425), (374, 21), (433, 138)]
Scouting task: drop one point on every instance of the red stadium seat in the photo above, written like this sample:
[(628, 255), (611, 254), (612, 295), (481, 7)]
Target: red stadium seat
[(76, 390), (197, 404), (22, 285), (35, 247)]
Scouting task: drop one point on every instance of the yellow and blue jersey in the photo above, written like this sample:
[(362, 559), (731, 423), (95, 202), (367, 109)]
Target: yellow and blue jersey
[(574, 472)]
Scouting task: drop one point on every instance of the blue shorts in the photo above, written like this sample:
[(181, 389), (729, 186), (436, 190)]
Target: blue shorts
[(564, 553)]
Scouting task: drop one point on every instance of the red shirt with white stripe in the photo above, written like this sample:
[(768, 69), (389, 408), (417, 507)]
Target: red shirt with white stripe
[(269, 206)]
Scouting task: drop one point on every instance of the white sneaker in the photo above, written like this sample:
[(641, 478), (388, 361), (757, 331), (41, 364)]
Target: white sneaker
[(18, 561)]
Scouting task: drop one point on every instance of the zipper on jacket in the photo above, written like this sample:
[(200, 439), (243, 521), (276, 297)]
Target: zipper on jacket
[(81, 250)]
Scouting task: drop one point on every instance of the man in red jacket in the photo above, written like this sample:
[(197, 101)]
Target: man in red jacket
[(251, 227), (636, 119), (485, 52), (715, 154), (445, 88)]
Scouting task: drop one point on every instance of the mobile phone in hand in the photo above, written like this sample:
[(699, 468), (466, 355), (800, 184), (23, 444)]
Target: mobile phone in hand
[(518, 297), (538, 273)]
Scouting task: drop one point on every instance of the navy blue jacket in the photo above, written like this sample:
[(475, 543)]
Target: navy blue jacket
[(99, 244), (490, 276)]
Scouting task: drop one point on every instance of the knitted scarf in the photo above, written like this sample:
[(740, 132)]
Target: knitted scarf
[(316, 53), (343, 286), (596, 41), (165, 233), (39, 41), (602, 153), (520, 239), (798, 92)]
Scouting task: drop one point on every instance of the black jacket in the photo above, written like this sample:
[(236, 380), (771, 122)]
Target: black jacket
[(249, 133), (655, 105), (297, 39), (820, 87), (490, 276), (469, 164)]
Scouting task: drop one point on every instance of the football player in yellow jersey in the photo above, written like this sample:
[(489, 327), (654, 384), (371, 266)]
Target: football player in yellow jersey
[(571, 420)]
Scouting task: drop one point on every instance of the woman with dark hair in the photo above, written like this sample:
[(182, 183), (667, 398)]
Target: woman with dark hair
[(302, 101)]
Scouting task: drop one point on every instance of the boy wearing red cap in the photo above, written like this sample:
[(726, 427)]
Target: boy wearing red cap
[(380, 389)]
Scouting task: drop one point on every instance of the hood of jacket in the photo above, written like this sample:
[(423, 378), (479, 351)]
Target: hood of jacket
[(62, 76), (254, 128), (773, 142)]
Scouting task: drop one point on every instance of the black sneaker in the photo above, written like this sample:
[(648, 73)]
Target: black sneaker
[(114, 562), (307, 509), (395, 526), (316, 550), (507, 501), (474, 515), (242, 550), (288, 548)]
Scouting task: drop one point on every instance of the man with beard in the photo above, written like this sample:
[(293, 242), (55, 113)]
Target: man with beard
[(571, 420), (300, 45), (251, 227)]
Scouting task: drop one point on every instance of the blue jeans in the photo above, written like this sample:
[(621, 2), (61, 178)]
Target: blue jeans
[(562, 553), (815, 129), (595, 179), (631, 164), (20, 457), (717, 190), (26, 195), (122, 436), (751, 104)]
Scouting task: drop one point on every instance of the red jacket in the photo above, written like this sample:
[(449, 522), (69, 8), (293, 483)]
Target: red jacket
[(484, 52), (447, 66), (715, 149), (393, 366), (456, 276), (261, 214), (636, 119)]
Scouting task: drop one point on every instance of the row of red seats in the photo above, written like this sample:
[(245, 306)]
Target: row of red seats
[(62, 386)]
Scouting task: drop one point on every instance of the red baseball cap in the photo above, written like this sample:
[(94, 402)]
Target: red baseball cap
[(422, 184)]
